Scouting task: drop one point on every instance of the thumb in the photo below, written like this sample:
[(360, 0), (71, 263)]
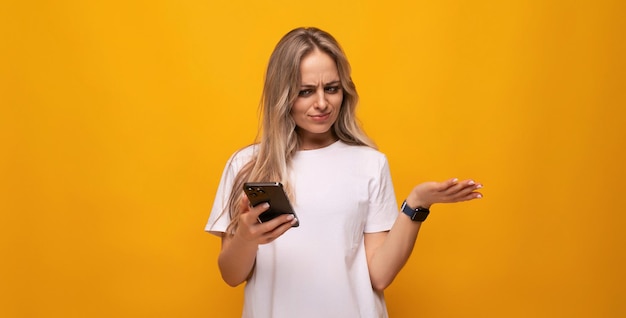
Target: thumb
[(244, 204)]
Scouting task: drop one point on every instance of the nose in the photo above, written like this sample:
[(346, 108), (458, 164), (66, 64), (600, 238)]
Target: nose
[(321, 102)]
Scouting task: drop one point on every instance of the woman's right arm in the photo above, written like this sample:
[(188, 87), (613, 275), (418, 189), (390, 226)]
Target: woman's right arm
[(236, 259), (238, 254)]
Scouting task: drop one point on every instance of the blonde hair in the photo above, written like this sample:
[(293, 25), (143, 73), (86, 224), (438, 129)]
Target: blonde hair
[(278, 140)]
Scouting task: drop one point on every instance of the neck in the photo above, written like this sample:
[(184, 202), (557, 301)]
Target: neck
[(317, 141)]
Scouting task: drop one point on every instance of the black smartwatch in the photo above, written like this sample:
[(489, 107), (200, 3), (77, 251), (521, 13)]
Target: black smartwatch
[(418, 214)]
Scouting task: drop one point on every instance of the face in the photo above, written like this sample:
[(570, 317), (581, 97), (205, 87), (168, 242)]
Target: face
[(319, 99)]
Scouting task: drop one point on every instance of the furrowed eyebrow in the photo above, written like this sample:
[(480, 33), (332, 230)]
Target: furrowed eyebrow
[(327, 84)]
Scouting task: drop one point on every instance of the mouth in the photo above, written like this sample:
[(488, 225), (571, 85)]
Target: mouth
[(320, 117)]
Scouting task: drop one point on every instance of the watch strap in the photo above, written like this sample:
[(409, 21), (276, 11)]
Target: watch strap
[(418, 214)]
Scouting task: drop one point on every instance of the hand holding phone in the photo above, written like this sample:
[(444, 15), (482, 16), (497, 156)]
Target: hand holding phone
[(272, 193)]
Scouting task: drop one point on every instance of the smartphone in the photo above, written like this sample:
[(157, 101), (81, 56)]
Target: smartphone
[(272, 193)]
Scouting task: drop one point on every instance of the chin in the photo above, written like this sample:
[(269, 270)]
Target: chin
[(321, 131), (315, 130)]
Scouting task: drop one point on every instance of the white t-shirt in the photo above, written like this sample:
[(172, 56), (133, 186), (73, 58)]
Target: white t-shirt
[(319, 269)]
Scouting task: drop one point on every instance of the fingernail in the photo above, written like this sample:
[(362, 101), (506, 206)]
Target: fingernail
[(479, 196), (480, 186), (455, 180), (290, 217), (471, 182), (294, 221), (266, 205)]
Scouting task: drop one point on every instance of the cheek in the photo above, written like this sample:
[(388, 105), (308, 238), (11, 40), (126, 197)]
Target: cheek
[(298, 111), (298, 108), (338, 100)]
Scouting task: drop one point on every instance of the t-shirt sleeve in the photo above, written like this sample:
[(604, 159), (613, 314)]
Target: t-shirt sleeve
[(220, 217), (383, 207)]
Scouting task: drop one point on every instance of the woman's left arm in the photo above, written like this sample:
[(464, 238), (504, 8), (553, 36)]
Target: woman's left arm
[(387, 252)]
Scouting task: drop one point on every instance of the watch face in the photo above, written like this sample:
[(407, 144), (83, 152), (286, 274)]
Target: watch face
[(418, 215)]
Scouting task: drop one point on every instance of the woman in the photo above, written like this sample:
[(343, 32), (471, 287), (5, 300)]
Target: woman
[(352, 240)]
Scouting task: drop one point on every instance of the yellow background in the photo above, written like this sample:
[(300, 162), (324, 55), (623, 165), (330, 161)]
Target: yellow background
[(118, 116)]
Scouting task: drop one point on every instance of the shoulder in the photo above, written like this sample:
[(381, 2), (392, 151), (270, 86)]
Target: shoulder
[(364, 152), (242, 156), (362, 158)]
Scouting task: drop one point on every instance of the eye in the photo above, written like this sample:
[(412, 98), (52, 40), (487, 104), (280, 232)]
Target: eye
[(305, 92), (331, 89)]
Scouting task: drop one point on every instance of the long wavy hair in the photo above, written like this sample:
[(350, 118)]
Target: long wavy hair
[(278, 140)]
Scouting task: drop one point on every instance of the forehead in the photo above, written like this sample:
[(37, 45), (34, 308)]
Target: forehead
[(318, 65)]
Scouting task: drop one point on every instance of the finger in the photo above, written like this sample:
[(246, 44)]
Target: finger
[(445, 185), (466, 195), (468, 186), (255, 211), (463, 186), (283, 226), (473, 186), (250, 215), (472, 195), (278, 221)]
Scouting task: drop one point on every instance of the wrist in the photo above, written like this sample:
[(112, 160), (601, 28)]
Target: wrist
[(416, 214), (415, 202), (242, 242)]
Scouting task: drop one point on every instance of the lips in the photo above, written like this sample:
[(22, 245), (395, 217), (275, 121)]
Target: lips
[(320, 117)]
